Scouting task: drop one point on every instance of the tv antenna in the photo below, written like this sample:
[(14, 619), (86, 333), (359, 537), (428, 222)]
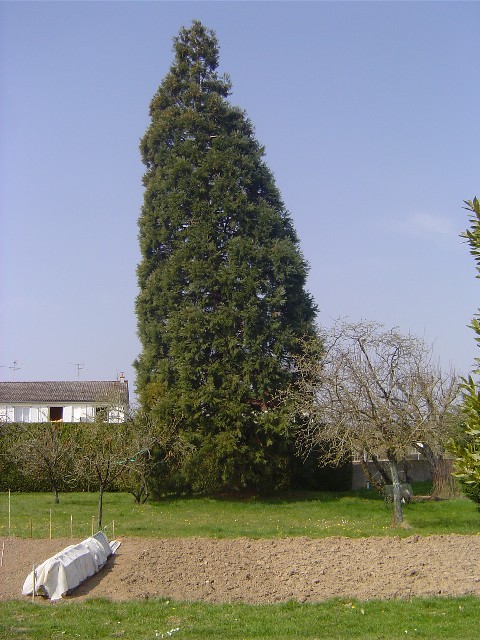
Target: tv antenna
[(80, 366), (14, 367)]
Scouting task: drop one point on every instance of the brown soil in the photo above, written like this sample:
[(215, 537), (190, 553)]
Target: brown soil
[(265, 571)]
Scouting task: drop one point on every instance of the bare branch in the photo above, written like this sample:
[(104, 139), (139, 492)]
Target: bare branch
[(372, 390)]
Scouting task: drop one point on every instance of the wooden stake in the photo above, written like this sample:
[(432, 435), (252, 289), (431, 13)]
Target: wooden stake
[(93, 523), (9, 512), (71, 526), (113, 529), (1, 556), (31, 527), (50, 524), (34, 583)]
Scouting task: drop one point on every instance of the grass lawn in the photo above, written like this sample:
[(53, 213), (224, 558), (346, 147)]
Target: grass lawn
[(317, 515), (297, 514), (432, 618)]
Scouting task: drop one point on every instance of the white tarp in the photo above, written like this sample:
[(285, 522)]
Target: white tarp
[(69, 568)]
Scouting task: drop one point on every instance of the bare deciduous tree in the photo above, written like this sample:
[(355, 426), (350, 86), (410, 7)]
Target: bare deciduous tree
[(43, 451), (153, 445), (122, 454), (106, 451), (100, 449), (373, 390)]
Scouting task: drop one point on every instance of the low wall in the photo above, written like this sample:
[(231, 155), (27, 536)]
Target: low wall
[(409, 471)]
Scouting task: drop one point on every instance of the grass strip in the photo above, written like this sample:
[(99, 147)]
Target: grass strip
[(313, 514), (438, 618)]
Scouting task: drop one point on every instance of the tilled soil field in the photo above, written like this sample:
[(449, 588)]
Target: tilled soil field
[(264, 571)]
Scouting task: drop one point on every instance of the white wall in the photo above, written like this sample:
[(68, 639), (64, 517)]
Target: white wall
[(71, 413)]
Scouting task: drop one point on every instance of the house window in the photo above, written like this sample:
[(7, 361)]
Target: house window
[(22, 414), (56, 414)]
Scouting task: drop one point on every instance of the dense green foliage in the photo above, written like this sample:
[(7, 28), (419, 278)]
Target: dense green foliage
[(222, 304), (467, 453), (312, 514), (62, 456), (427, 618)]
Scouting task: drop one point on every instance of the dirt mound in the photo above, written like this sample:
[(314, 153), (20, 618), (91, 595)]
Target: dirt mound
[(265, 571)]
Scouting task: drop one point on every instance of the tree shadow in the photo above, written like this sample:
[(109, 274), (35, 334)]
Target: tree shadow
[(288, 497), (91, 583)]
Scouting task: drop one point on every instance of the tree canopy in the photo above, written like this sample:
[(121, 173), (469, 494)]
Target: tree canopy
[(467, 453), (222, 305), (373, 391)]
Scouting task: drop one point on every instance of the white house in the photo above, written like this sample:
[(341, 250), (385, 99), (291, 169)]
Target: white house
[(78, 401)]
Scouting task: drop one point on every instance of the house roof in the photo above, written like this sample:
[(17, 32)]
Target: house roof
[(109, 392)]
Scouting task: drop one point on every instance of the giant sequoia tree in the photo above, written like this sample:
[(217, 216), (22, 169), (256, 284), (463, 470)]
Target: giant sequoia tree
[(222, 305)]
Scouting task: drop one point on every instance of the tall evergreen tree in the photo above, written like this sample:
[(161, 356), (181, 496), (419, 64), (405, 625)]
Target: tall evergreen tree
[(222, 305)]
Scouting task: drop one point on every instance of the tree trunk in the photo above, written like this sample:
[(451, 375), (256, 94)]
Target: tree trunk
[(444, 484), (53, 481), (397, 492), (371, 478), (379, 467)]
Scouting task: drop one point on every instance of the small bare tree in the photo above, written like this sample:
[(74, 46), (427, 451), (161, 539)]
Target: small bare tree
[(153, 445), (373, 390), (106, 451), (141, 463), (123, 453), (100, 449), (43, 452)]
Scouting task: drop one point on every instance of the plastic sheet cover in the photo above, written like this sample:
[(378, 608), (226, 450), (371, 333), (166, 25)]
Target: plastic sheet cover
[(67, 569)]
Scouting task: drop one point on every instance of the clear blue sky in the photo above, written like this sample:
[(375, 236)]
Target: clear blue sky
[(369, 113)]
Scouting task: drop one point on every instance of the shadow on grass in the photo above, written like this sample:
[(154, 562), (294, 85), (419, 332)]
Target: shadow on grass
[(290, 497)]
